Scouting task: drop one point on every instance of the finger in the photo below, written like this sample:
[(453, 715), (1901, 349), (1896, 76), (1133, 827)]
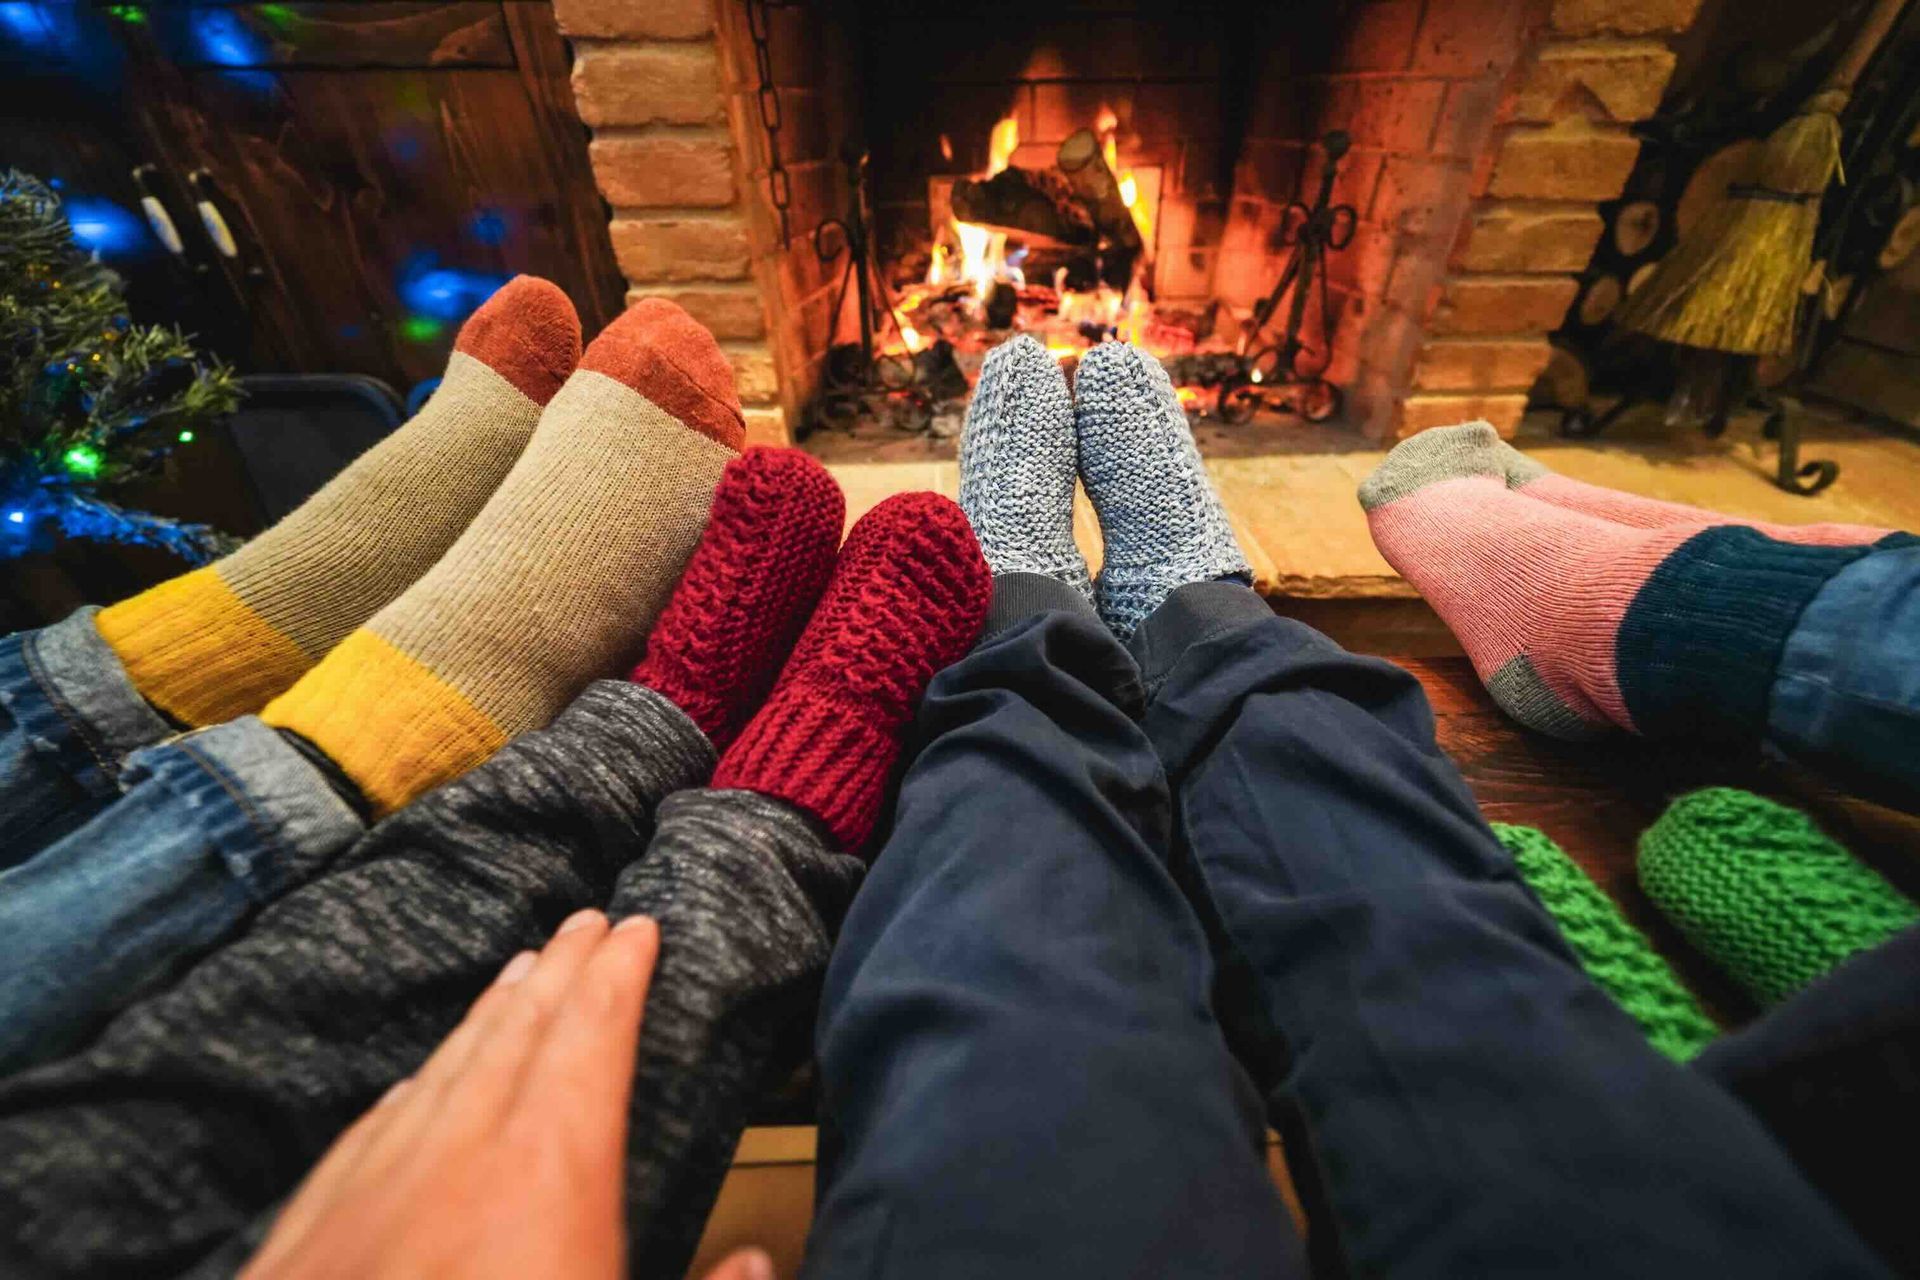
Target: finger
[(535, 974), (580, 1080), (743, 1264), (339, 1168), (463, 1088)]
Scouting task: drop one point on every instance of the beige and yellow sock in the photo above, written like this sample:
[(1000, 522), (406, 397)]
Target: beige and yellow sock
[(223, 640), (554, 584)]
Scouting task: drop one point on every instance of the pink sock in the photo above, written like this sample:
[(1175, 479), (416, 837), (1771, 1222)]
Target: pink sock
[(1630, 509), (1576, 623)]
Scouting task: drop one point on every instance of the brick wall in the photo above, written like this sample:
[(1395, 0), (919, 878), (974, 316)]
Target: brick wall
[(1416, 84), (653, 83), (1484, 132), (1561, 143)]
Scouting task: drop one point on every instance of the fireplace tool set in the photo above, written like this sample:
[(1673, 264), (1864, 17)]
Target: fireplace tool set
[(1288, 375)]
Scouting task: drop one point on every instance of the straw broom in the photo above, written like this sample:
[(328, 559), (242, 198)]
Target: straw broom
[(1734, 282)]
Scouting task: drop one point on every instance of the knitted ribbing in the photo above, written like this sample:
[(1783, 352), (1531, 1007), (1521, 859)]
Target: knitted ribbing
[(1762, 892), (1017, 465), (1161, 522), (1617, 956), (1576, 623), (555, 583), (753, 581), (1541, 483), (221, 641), (907, 598)]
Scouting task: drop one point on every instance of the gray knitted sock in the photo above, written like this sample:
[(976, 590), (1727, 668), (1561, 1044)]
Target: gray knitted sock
[(1163, 524), (1017, 465)]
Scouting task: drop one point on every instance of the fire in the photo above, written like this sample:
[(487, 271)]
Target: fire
[(983, 253), (910, 336), (1107, 126), (1001, 146)]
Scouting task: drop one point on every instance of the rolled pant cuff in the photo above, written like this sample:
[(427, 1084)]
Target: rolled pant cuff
[(259, 803), (1193, 613), (1018, 596), (66, 687)]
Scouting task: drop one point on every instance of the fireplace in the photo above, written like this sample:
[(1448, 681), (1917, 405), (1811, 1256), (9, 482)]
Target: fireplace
[(1480, 135)]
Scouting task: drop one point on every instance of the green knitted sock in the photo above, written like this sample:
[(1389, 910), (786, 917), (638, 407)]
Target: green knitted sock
[(1761, 892), (1615, 955)]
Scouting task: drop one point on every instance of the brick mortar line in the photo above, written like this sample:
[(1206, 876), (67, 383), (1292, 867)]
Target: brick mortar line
[(591, 44), (649, 132), (678, 213)]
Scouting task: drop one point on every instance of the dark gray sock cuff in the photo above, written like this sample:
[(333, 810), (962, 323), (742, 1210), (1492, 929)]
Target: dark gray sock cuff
[(1018, 596), (1196, 612)]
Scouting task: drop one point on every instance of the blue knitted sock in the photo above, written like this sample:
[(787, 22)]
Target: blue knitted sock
[(1017, 465), (1161, 520)]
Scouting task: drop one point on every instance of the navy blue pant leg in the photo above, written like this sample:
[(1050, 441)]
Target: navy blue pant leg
[(1470, 1103), (1020, 1072), (1834, 1072)]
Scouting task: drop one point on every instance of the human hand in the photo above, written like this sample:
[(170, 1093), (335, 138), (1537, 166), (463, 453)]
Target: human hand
[(504, 1155)]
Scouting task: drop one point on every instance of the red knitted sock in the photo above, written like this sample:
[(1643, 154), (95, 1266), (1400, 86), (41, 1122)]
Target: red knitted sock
[(754, 578), (907, 599)]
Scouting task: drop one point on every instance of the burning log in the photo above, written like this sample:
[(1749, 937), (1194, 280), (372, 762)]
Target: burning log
[(1087, 172), (1035, 204)]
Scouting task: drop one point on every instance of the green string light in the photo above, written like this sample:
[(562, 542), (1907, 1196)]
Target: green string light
[(186, 437), (420, 328), (83, 460)]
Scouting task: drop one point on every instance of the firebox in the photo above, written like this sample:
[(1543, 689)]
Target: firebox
[(1368, 212)]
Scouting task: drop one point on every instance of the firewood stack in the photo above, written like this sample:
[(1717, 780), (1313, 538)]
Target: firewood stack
[(1071, 215)]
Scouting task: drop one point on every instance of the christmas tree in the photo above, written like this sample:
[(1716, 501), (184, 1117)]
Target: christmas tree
[(88, 399)]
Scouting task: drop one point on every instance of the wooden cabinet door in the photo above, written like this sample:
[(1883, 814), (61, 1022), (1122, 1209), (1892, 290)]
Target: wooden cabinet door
[(358, 175)]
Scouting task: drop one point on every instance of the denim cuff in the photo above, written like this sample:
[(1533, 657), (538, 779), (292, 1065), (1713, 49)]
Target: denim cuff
[(1193, 613), (1017, 596), (68, 691), (262, 806)]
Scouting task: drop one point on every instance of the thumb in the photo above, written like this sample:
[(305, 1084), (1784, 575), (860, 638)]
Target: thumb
[(743, 1264)]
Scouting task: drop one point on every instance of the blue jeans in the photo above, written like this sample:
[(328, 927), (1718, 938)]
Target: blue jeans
[(1846, 693), (1122, 885), (68, 717), (129, 852)]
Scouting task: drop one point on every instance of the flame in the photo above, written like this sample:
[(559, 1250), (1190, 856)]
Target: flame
[(937, 265), (910, 336), (1001, 146), (983, 255), (946, 148), (1107, 125)]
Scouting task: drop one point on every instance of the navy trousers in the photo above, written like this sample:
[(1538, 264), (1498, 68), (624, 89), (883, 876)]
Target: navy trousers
[(1138, 900)]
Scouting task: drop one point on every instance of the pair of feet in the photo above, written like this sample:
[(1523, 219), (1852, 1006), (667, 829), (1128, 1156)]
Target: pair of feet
[(853, 633), (1123, 433), (1585, 609), (463, 579), (468, 576)]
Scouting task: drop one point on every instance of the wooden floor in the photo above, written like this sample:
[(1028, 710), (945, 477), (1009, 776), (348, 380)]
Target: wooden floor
[(1592, 799)]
